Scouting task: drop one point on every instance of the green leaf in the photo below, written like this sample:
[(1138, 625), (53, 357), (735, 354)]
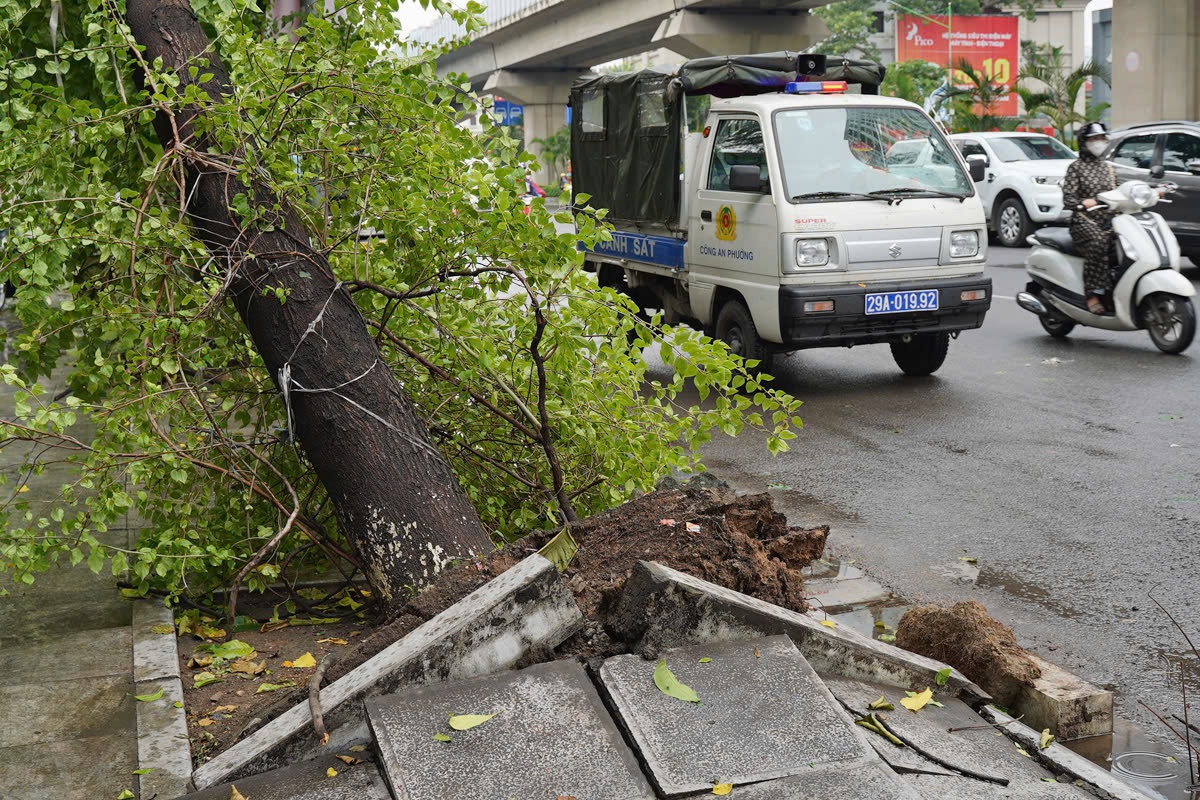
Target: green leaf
[(464, 722), (705, 660), (202, 679), (163, 629), (441, 737), (149, 698), (143, 771), (560, 549), (274, 687), (125, 795), (668, 684), (881, 704), (942, 676), (230, 650)]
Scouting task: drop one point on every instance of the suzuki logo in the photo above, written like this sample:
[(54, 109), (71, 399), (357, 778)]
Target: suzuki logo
[(894, 251)]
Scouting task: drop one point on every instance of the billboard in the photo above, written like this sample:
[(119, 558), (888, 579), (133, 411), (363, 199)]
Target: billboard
[(990, 44), (508, 113)]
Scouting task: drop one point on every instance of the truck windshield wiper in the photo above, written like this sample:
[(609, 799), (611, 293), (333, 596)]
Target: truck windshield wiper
[(834, 193), (890, 194)]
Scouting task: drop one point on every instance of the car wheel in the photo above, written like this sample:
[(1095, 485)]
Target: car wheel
[(735, 327), (1012, 223), (921, 355)]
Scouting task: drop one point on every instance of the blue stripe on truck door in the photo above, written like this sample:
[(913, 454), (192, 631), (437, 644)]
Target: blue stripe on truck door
[(664, 251)]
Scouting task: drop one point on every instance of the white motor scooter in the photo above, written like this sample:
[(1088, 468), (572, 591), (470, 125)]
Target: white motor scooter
[(1149, 292)]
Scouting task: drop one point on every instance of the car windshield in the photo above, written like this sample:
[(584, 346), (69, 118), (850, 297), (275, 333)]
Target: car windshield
[(1029, 148), (859, 150)]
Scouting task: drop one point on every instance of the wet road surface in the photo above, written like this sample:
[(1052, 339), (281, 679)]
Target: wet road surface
[(1069, 469)]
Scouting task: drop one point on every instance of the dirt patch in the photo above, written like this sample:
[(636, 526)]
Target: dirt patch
[(738, 542), (978, 645)]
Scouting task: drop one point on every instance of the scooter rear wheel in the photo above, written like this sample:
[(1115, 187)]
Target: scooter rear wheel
[(1056, 325), (1170, 320)]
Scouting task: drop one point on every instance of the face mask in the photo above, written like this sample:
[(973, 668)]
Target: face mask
[(1096, 146)]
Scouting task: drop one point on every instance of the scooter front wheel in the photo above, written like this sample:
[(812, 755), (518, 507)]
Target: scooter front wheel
[(1056, 325), (1170, 320)]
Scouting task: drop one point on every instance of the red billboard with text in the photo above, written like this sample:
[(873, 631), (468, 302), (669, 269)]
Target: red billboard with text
[(989, 44)]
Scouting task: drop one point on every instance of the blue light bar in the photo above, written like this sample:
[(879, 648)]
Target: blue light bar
[(800, 87)]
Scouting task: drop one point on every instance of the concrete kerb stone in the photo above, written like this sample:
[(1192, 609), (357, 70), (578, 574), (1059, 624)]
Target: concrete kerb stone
[(663, 608), (1069, 706), (162, 737), (525, 607), (1060, 759)]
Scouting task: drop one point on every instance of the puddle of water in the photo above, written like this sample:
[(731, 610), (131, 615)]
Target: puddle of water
[(990, 577), (1156, 768)]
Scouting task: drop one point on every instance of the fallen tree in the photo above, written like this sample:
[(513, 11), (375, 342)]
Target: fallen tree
[(209, 291)]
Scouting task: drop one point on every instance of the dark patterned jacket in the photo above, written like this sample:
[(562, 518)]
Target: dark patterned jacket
[(1087, 177)]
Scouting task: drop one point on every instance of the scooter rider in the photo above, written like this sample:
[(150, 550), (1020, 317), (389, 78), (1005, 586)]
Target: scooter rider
[(1091, 227)]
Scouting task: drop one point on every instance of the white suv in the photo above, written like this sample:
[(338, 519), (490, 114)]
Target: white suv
[(1022, 185)]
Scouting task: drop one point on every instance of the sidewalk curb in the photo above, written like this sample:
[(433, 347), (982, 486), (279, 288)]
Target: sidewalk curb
[(162, 736), (1061, 759)]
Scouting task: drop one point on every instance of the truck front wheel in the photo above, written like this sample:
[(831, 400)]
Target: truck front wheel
[(735, 327), (923, 354)]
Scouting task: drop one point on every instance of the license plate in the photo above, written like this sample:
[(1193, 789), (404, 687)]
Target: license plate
[(901, 302)]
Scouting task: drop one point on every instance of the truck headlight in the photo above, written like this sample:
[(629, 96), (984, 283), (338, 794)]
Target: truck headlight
[(964, 244), (812, 252), (1048, 180)]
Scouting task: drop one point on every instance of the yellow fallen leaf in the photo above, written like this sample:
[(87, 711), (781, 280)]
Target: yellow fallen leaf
[(722, 788), (224, 709), (332, 640), (917, 701), (828, 623), (305, 661), (23, 490), (464, 722), (331, 773), (234, 794), (351, 760), (246, 666), (1047, 738), (204, 723), (358, 748)]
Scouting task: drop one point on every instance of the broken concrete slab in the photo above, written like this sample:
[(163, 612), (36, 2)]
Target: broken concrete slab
[(551, 737), (308, 780), (662, 608), (1061, 760), (523, 608), (872, 781), (763, 713), (1069, 706), (954, 737), (832, 595)]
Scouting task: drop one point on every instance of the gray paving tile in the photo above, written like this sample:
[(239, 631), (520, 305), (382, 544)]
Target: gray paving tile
[(763, 714), (93, 768), (308, 780), (551, 737), (79, 654), (874, 781), (62, 710), (35, 615)]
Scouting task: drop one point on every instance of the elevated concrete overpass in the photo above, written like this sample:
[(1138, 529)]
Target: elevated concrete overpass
[(531, 50)]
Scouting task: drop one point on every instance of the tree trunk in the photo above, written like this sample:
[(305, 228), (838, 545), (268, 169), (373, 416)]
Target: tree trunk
[(396, 496)]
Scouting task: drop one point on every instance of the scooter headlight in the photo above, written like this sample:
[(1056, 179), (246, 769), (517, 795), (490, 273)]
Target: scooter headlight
[(1142, 195)]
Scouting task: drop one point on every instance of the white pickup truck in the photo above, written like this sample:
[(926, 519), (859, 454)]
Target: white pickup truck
[(784, 225)]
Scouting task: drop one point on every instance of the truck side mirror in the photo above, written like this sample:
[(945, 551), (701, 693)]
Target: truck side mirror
[(976, 166), (745, 178), (1157, 172)]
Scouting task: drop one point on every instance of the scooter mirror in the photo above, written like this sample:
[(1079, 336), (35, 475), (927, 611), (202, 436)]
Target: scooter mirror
[(1157, 172)]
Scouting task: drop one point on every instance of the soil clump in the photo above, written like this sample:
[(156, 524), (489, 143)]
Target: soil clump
[(739, 542), (972, 641)]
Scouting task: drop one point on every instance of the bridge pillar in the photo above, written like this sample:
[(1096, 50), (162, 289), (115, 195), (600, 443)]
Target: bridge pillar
[(696, 34), (545, 96), (1155, 61)]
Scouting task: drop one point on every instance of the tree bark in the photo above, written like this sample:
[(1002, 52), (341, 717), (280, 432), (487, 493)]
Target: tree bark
[(396, 497)]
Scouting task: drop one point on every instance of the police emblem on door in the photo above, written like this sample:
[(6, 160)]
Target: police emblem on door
[(726, 224)]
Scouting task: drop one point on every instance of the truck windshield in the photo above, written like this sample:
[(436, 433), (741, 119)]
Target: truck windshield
[(865, 150)]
